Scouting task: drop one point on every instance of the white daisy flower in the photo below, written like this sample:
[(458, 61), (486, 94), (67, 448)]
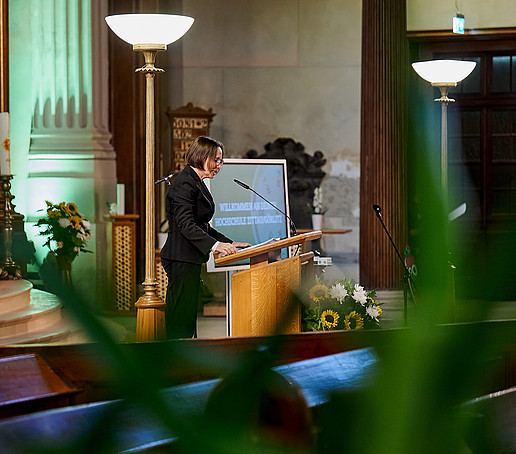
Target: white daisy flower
[(64, 222), (338, 292), (359, 295), (373, 311)]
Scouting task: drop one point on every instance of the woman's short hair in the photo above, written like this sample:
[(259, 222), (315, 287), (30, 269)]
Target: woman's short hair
[(201, 149)]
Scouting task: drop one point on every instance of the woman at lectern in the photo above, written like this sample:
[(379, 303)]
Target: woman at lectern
[(189, 208)]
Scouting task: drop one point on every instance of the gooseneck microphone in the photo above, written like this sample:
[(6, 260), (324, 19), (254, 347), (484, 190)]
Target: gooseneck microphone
[(408, 283), (168, 177), (249, 188), (245, 186), (378, 210)]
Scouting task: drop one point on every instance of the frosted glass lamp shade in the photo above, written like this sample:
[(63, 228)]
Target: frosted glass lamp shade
[(161, 29), (444, 72)]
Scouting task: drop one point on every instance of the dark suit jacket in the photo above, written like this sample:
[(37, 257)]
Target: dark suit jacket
[(189, 207)]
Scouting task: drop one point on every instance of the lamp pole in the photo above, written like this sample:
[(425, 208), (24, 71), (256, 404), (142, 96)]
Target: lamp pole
[(150, 33), (150, 317), (444, 100), (445, 74)]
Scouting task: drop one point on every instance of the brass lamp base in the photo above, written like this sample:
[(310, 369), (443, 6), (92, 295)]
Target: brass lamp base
[(150, 318)]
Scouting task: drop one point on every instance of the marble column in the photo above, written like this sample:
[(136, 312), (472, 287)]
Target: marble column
[(70, 157)]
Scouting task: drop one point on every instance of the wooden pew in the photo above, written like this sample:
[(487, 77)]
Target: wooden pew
[(307, 383), (493, 422), (83, 366), (134, 428), (29, 384)]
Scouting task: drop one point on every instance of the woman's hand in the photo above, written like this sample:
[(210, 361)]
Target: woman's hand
[(240, 244), (226, 248)]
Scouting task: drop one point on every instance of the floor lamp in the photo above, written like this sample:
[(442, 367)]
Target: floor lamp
[(149, 33), (445, 74)]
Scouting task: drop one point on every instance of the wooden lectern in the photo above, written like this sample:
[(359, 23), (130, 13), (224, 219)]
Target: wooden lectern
[(260, 295)]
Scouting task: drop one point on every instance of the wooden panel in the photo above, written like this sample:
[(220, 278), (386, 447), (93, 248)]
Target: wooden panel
[(27, 381), (289, 278), (161, 277), (124, 261), (186, 123), (261, 252), (260, 297), (263, 300), (82, 365), (383, 174), (241, 304)]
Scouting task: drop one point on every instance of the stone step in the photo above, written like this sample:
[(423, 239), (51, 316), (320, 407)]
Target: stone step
[(63, 332), (14, 296), (43, 312)]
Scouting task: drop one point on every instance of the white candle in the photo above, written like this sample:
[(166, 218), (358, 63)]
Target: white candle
[(120, 198), (5, 156)]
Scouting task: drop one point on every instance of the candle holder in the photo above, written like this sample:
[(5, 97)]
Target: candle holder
[(9, 270)]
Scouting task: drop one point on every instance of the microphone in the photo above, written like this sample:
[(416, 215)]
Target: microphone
[(243, 185), (377, 209), (249, 188), (408, 283), (161, 180)]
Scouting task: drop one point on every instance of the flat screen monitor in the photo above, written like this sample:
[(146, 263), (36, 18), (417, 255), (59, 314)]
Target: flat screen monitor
[(240, 213)]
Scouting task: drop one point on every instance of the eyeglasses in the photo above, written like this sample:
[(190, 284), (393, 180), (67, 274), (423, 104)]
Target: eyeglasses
[(219, 162)]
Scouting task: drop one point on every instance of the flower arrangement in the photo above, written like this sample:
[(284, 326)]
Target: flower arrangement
[(343, 305), (65, 227), (317, 206)]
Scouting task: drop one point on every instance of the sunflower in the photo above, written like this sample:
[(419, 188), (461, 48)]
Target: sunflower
[(353, 321), (51, 213), (318, 292), (49, 204), (76, 222), (72, 208), (330, 318), (62, 207)]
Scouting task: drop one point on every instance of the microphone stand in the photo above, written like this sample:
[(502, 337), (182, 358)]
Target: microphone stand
[(245, 186), (408, 282), (167, 178)]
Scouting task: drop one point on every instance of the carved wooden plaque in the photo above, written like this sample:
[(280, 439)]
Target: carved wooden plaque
[(186, 123)]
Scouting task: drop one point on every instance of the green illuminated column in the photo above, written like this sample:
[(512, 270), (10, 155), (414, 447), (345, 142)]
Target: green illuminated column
[(70, 158)]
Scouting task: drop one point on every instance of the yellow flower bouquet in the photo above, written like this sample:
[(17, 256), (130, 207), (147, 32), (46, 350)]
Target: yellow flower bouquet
[(342, 305), (67, 230)]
